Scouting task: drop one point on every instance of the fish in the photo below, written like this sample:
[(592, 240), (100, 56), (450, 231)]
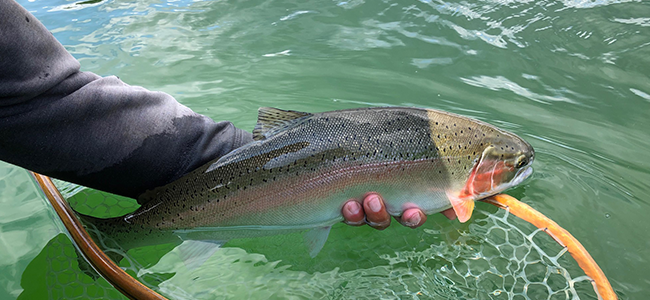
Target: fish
[(301, 168)]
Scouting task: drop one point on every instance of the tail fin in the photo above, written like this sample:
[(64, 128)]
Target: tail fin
[(103, 231), (98, 223)]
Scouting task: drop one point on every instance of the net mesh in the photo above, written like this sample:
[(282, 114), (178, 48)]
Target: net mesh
[(495, 256), (58, 272), (499, 257)]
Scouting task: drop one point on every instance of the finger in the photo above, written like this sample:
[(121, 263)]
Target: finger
[(450, 214), (412, 217), (352, 213), (376, 215)]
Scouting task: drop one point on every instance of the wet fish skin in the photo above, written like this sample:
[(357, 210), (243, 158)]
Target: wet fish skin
[(303, 167)]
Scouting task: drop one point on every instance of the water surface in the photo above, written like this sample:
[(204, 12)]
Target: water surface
[(571, 77)]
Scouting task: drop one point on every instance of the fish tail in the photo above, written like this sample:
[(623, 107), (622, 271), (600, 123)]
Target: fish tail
[(117, 233), (95, 224), (106, 234)]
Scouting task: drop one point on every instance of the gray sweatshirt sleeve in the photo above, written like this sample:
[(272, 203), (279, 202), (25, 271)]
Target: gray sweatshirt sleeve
[(91, 130)]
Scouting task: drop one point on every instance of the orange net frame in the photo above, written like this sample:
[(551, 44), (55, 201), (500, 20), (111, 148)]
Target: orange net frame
[(563, 237), (134, 289)]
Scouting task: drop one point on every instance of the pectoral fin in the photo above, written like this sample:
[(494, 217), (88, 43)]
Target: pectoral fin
[(463, 207), (315, 239)]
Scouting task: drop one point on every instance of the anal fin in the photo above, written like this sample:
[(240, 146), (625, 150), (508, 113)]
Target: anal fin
[(196, 253)]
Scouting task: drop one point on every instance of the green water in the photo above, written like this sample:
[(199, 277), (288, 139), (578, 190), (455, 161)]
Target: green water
[(571, 77)]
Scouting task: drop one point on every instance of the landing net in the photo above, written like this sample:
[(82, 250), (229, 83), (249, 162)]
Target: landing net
[(496, 256)]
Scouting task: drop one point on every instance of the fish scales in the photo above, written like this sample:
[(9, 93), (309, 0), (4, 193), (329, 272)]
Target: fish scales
[(303, 167), (272, 181)]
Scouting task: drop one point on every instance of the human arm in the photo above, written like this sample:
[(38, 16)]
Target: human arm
[(102, 133), (95, 131)]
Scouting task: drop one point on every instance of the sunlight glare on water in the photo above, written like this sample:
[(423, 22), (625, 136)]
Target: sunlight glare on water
[(571, 77)]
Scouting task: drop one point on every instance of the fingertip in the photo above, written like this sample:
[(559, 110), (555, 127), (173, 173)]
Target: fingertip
[(376, 214), (450, 214), (373, 203), (413, 218), (352, 213)]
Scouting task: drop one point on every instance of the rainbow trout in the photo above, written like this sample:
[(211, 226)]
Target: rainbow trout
[(303, 167)]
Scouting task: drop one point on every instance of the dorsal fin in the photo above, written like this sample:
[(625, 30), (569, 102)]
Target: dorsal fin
[(272, 120)]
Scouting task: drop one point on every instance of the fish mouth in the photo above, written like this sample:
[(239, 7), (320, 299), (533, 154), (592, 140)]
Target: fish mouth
[(521, 175)]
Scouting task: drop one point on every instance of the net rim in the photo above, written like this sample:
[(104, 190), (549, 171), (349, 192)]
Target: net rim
[(116, 276)]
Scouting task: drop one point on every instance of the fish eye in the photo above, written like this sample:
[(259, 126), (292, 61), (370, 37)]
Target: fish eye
[(521, 161)]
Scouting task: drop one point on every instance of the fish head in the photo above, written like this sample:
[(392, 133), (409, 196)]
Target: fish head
[(504, 162), (479, 159)]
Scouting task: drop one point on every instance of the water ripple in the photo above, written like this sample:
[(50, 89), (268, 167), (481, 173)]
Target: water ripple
[(500, 82)]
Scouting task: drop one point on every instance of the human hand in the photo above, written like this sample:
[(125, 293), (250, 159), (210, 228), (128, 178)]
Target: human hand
[(373, 212)]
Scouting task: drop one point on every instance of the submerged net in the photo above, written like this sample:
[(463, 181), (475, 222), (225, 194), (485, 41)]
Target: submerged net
[(495, 256)]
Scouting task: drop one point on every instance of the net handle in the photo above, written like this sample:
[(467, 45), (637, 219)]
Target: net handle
[(563, 237), (122, 281)]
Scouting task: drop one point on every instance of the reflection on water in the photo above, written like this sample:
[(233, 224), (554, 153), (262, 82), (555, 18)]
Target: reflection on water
[(26, 225), (569, 76), (494, 255)]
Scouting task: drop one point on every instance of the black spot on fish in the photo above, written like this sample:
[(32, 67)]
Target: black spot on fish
[(27, 19)]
